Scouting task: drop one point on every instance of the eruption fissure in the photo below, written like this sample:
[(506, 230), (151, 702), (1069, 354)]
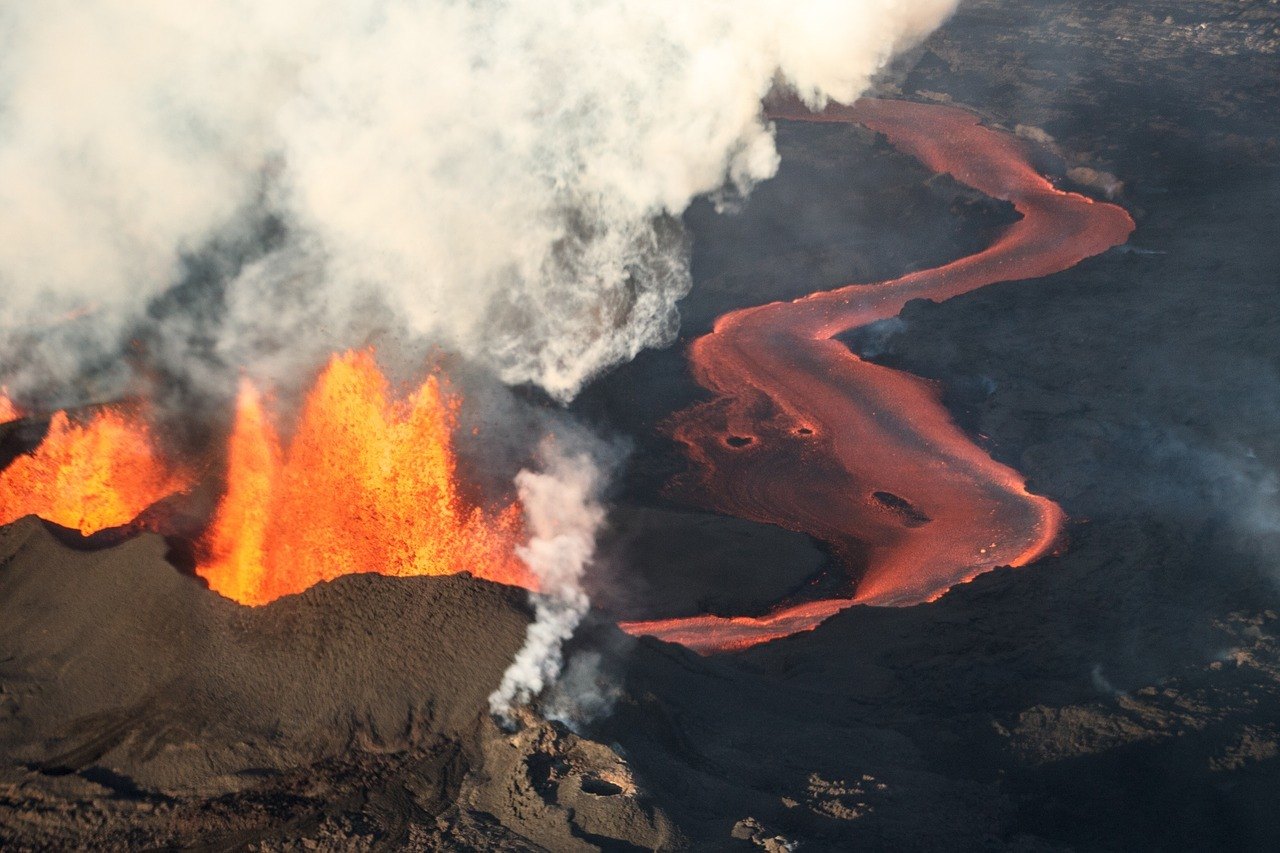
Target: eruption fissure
[(853, 436), (367, 484)]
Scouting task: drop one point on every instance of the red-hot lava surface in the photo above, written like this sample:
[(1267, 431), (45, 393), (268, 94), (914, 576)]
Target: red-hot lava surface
[(804, 434)]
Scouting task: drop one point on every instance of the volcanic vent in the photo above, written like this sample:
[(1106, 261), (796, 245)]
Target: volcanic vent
[(366, 483)]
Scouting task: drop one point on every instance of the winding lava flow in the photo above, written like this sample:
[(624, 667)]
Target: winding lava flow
[(803, 434)]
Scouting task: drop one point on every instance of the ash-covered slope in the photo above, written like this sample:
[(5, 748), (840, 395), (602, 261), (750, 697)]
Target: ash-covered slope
[(116, 661), (137, 708)]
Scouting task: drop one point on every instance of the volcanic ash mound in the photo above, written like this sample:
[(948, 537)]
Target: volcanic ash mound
[(116, 662)]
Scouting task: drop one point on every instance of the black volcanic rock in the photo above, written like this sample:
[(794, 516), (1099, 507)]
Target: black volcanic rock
[(659, 563)]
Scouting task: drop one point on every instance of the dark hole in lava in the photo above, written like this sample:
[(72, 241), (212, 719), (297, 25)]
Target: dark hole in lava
[(99, 541), (903, 508), (19, 437), (804, 431), (738, 440), (599, 787)]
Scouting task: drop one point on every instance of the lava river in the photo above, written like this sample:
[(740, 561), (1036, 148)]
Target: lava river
[(803, 434)]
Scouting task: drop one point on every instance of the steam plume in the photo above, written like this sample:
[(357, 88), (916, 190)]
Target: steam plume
[(505, 178), (563, 511)]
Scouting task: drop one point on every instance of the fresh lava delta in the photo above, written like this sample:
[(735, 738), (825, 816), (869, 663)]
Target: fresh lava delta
[(803, 434)]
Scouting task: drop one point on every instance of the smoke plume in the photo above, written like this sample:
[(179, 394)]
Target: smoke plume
[(563, 512), (505, 179), (245, 186), (1228, 483)]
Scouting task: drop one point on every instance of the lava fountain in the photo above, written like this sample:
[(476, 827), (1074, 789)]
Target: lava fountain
[(368, 483), (89, 476), (8, 411), (803, 434)]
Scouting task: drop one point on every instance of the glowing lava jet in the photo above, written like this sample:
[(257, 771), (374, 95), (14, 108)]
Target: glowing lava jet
[(367, 484), (89, 476), (804, 434), (8, 411)]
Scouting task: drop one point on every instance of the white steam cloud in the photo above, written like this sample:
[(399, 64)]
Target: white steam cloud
[(502, 178), (563, 511), (505, 178)]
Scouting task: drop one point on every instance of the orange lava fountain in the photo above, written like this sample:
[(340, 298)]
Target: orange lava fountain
[(8, 411), (803, 434), (368, 484), (90, 476)]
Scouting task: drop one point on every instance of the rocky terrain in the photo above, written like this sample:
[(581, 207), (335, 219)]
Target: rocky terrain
[(1123, 694)]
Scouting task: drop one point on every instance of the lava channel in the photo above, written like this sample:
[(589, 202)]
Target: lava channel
[(803, 434)]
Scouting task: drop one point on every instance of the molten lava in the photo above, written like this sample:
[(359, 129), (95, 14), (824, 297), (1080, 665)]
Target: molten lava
[(804, 434), (367, 484), (90, 476), (8, 411)]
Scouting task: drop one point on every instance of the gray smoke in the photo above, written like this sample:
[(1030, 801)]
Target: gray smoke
[(1229, 482), (501, 178), (505, 178)]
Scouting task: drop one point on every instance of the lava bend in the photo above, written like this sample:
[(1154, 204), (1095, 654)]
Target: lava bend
[(803, 434)]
